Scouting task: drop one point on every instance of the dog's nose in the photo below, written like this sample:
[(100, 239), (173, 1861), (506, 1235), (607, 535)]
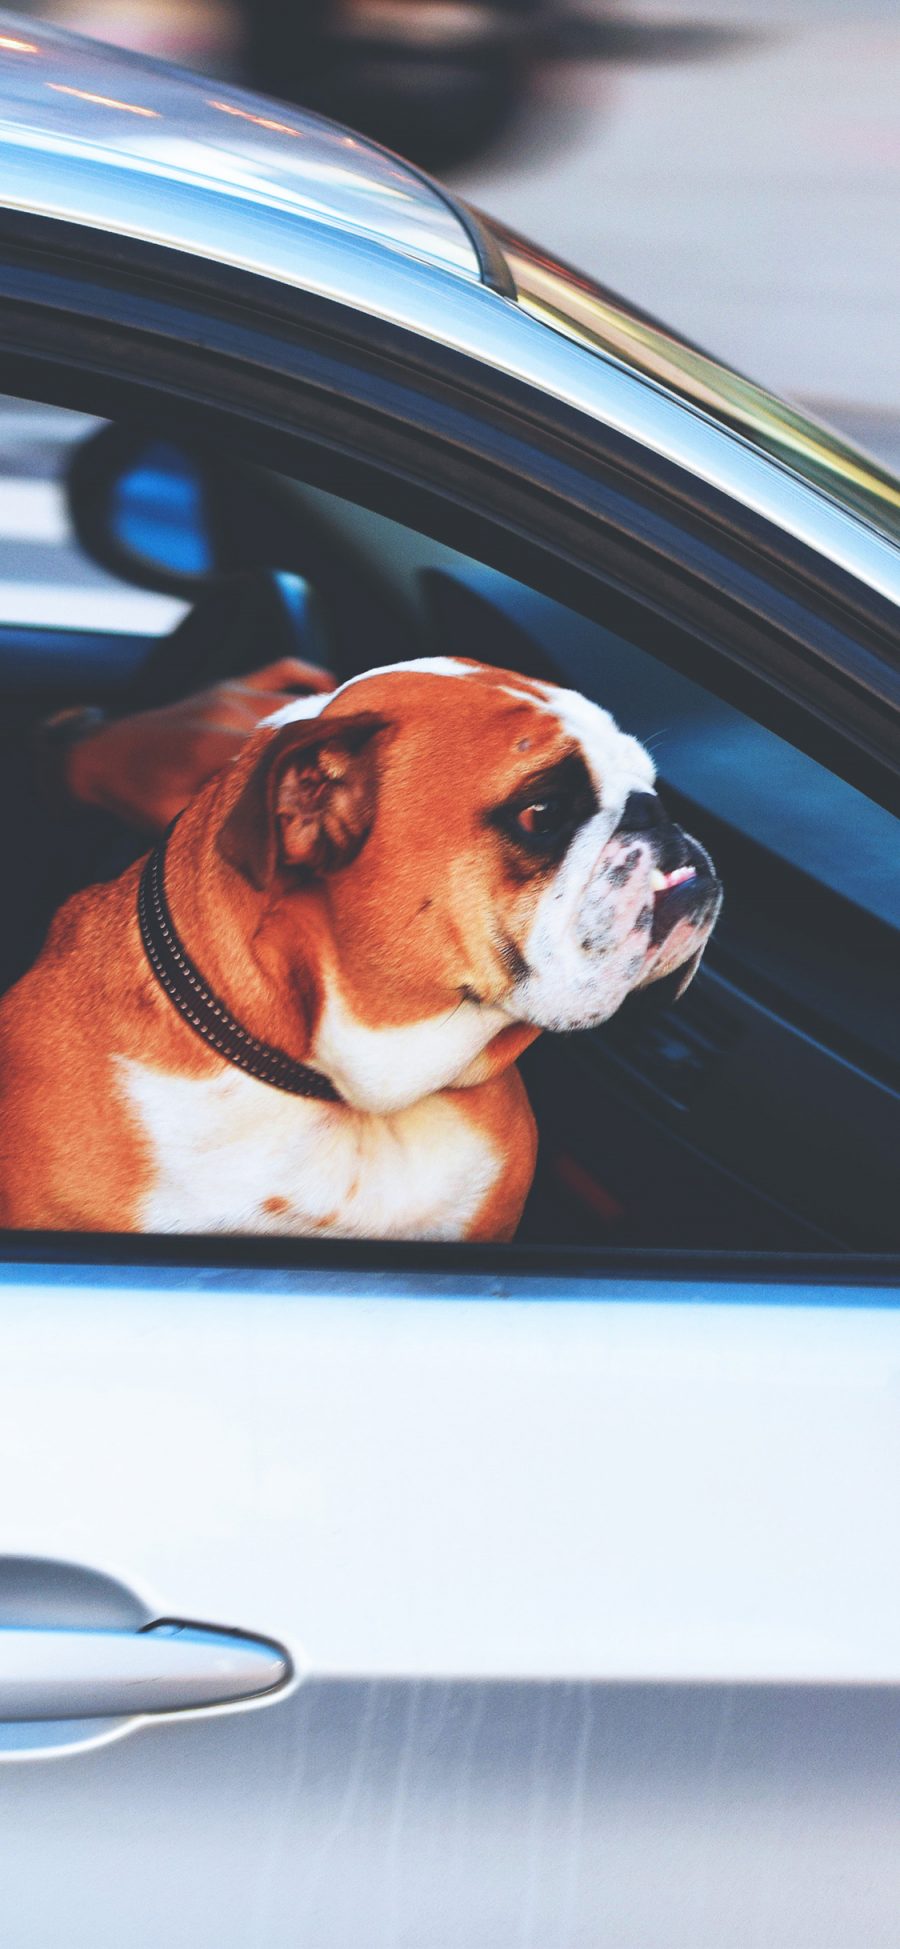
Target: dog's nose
[(643, 812)]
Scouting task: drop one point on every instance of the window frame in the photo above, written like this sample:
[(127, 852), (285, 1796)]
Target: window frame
[(374, 413)]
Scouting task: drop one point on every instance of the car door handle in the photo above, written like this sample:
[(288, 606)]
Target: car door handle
[(101, 1674)]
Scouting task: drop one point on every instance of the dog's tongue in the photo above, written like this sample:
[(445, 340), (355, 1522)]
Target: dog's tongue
[(664, 882), (667, 908)]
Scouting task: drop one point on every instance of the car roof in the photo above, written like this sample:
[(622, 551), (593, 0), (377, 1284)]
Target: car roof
[(100, 137), (91, 136)]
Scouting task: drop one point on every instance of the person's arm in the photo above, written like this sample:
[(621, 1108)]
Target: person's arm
[(146, 767)]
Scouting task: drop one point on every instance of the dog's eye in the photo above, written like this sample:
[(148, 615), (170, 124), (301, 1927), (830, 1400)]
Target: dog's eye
[(545, 825), (545, 819), (546, 812)]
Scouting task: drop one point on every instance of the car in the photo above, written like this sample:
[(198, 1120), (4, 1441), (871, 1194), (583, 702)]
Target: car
[(436, 1595)]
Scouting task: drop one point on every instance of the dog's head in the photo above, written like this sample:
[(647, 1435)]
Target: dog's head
[(483, 850)]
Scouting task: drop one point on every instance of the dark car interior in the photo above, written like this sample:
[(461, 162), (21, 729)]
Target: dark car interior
[(761, 1110)]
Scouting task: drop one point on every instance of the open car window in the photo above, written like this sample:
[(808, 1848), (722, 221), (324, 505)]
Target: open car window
[(760, 1109)]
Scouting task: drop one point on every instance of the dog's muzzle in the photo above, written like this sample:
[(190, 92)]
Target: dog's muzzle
[(683, 880), (689, 891)]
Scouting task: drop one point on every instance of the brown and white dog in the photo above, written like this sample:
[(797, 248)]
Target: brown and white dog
[(398, 885)]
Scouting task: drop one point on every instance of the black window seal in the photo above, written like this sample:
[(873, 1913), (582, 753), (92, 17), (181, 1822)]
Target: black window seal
[(505, 1266)]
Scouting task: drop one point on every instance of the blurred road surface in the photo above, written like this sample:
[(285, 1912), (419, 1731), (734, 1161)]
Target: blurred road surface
[(745, 189)]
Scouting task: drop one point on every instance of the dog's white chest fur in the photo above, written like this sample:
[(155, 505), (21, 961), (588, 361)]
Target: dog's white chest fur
[(231, 1154)]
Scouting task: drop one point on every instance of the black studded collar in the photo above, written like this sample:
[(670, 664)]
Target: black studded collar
[(201, 1007)]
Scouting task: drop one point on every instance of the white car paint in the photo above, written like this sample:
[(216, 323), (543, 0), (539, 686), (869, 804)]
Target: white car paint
[(561, 1573)]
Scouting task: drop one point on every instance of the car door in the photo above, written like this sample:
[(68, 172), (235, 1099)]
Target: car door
[(587, 1583), (437, 1597)]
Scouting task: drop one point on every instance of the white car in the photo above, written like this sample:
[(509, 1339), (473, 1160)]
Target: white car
[(534, 1597)]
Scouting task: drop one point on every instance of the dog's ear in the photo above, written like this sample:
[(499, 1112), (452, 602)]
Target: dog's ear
[(309, 803)]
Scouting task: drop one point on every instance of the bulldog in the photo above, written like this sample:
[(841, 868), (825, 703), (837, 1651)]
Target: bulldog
[(301, 1013)]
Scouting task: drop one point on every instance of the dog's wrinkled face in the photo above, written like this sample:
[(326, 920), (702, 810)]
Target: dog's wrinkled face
[(484, 842)]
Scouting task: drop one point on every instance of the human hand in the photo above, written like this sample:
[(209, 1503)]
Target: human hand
[(145, 768)]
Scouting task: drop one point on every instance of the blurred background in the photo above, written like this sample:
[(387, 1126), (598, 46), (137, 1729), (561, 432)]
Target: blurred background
[(732, 166)]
